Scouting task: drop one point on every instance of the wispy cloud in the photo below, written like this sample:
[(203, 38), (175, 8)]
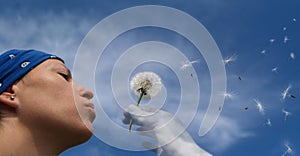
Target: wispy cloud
[(54, 33), (225, 133)]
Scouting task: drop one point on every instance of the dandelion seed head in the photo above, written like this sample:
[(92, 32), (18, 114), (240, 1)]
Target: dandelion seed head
[(149, 82)]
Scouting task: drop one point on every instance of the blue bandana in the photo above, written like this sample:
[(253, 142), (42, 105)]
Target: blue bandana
[(14, 64)]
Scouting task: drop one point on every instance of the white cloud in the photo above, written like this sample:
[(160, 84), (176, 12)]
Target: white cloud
[(224, 134), (54, 33)]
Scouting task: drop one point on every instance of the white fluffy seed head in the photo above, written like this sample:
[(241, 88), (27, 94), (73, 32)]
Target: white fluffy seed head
[(148, 81)]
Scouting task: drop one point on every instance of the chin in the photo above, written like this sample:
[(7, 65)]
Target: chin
[(88, 124), (76, 139), (82, 137)]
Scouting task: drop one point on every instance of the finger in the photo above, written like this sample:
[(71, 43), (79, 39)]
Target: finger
[(136, 114), (126, 114), (145, 132), (149, 109), (126, 120), (140, 111), (127, 117)]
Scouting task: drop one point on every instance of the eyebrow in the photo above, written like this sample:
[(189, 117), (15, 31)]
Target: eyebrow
[(68, 70)]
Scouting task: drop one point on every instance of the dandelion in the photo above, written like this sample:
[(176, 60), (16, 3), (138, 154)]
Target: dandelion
[(187, 64), (288, 149), (230, 59), (286, 114), (260, 107), (286, 92), (145, 83)]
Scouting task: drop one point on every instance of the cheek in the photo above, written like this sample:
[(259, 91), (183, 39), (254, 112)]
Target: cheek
[(46, 91), (51, 105)]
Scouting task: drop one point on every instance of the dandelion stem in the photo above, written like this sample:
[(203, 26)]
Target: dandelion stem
[(137, 104)]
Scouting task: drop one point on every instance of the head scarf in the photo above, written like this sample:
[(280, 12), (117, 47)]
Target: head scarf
[(14, 64)]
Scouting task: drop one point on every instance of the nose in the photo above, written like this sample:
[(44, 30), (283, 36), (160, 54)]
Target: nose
[(87, 94), (83, 92)]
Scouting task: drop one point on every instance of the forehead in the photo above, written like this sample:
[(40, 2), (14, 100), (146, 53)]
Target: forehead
[(43, 70), (48, 65), (51, 64)]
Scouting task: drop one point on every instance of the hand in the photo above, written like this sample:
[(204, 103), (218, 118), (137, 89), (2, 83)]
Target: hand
[(172, 138)]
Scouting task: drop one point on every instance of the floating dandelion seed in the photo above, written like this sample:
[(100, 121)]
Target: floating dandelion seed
[(272, 40), (263, 51), (260, 107), (228, 96), (286, 92), (268, 123), (284, 28), (286, 39), (275, 70), (294, 20), (292, 55), (288, 149), (145, 83), (286, 114), (187, 64), (230, 59)]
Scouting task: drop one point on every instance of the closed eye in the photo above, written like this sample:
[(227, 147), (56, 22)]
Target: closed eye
[(65, 76)]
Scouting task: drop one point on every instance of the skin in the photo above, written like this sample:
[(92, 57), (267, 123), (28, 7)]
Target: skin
[(49, 114)]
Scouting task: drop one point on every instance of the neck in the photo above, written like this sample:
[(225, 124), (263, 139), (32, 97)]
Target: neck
[(16, 139)]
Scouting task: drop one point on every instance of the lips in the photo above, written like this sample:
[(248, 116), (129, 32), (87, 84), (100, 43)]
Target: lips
[(92, 113), (90, 105)]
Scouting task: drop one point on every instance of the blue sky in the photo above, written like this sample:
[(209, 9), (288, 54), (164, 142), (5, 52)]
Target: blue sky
[(251, 31)]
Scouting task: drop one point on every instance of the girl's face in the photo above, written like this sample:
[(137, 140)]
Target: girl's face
[(51, 102)]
